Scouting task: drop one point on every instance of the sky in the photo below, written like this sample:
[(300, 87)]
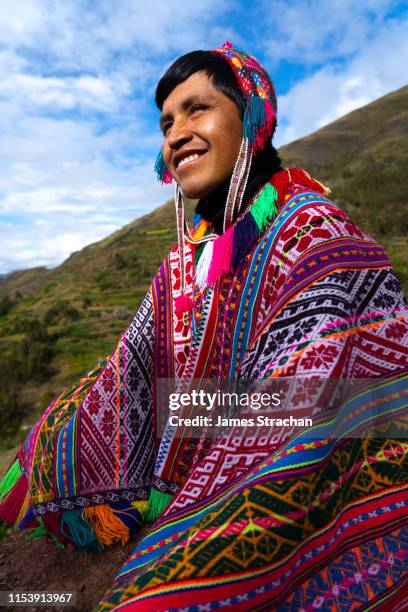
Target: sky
[(79, 128)]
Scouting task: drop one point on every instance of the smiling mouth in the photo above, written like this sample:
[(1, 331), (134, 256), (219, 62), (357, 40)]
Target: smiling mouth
[(186, 161)]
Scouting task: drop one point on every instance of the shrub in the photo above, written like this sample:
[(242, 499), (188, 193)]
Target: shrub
[(6, 304), (119, 261), (62, 310)]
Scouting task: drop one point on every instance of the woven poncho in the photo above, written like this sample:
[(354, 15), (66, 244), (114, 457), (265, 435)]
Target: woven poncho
[(243, 523)]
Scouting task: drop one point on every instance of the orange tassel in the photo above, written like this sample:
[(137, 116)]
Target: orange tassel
[(201, 229), (107, 526)]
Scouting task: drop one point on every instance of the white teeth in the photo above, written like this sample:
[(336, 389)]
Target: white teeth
[(187, 159)]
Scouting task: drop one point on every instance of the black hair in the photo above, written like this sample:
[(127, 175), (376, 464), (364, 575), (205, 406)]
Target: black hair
[(266, 162), (217, 69)]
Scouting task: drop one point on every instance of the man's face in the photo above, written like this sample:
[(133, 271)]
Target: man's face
[(202, 135)]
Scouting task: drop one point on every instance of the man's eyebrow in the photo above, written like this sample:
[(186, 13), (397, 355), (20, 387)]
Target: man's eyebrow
[(187, 102), (164, 117)]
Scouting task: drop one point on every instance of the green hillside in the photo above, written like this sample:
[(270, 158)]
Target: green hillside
[(55, 324), (364, 158)]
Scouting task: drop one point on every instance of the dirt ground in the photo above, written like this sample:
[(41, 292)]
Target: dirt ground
[(38, 565)]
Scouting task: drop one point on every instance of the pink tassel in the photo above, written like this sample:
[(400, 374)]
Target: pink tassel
[(182, 304), (270, 117), (167, 178), (221, 256), (259, 141), (11, 504)]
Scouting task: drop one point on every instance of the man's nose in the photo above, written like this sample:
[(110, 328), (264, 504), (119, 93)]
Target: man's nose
[(180, 133)]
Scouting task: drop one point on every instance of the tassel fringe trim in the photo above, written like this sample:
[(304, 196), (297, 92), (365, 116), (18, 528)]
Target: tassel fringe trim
[(141, 507), (41, 531), (77, 529), (158, 502), (92, 528), (259, 122), (107, 526), (14, 495), (10, 479), (161, 169)]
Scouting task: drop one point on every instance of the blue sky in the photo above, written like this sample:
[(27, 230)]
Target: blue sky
[(78, 124)]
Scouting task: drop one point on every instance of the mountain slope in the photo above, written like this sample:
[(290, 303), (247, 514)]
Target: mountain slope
[(363, 157)]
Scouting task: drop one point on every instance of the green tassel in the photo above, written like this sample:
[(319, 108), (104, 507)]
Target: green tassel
[(158, 502), (159, 166), (264, 208), (41, 531), (38, 532), (10, 479), (80, 531), (254, 118), (161, 169), (198, 251)]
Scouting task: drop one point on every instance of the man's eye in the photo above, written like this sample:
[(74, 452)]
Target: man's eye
[(198, 107), (166, 127)]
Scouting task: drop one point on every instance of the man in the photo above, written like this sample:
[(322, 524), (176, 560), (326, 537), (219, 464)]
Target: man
[(274, 282)]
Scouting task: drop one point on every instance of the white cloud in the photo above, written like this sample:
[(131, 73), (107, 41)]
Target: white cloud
[(61, 191), (315, 31), (21, 249), (78, 35), (58, 93), (21, 22), (76, 88), (76, 85), (336, 90)]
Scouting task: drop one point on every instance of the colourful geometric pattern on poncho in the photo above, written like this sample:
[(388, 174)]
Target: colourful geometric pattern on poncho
[(315, 297), (109, 423), (263, 541), (87, 465)]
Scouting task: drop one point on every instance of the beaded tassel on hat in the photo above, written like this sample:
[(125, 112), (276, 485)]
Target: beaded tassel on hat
[(259, 120), (238, 184)]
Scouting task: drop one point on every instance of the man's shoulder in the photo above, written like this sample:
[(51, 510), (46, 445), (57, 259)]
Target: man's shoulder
[(306, 212), (311, 231)]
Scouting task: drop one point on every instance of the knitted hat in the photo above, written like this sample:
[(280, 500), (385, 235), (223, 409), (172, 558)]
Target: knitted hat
[(259, 121)]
